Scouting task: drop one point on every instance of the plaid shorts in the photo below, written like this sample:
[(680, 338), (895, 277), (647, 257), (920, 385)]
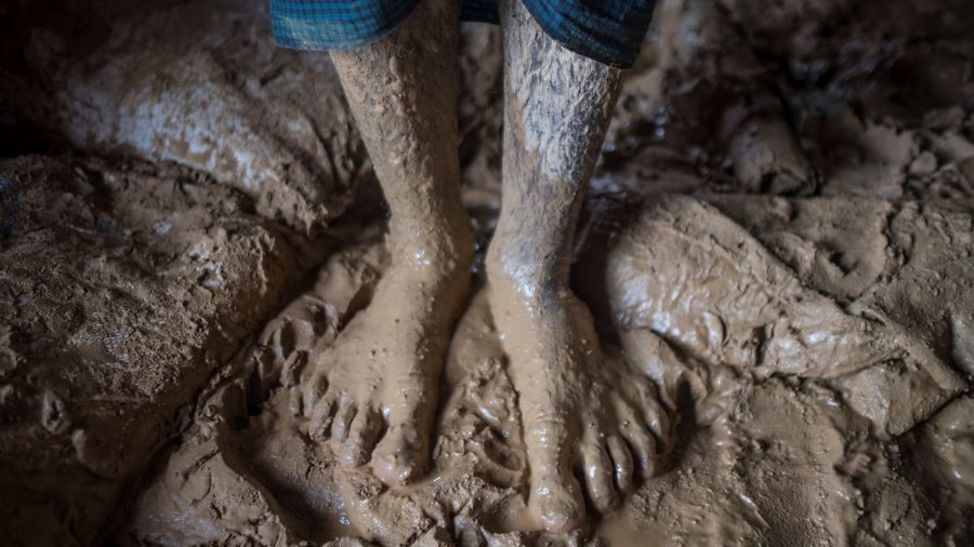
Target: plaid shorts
[(609, 31)]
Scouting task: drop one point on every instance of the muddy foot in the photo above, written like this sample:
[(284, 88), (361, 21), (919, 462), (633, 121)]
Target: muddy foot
[(372, 394), (583, 414)]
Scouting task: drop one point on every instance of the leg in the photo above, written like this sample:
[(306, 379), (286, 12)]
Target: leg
[(580, 413), (379, 378)]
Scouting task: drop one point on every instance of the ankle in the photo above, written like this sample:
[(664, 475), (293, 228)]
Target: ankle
[(440, 251), (530, 280)]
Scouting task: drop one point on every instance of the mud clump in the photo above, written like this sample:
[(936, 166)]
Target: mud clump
[(780, 236), (125, 288)]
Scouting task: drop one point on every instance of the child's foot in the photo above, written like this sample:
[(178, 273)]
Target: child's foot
[(372, 394), (582, 414)]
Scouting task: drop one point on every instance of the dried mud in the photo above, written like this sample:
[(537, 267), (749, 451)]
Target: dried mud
[(780, 235)]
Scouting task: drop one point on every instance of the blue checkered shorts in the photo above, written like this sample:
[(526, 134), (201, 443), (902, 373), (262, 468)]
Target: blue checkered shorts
[(609, 31)]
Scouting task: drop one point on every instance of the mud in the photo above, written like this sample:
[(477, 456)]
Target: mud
[(779, 237)]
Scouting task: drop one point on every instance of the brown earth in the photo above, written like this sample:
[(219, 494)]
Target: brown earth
[(780, 235)]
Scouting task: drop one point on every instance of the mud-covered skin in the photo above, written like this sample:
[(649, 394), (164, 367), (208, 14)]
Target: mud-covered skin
[(377, 383), (575, 416), (373, 392), (590, 424)]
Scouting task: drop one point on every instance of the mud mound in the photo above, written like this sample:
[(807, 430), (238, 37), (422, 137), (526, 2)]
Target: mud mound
[(200, 84), (125, 288)]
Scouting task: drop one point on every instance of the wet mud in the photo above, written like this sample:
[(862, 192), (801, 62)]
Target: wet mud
[(779, 237)]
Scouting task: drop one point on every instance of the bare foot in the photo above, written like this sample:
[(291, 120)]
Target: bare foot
[(582, 413), (372, 394)]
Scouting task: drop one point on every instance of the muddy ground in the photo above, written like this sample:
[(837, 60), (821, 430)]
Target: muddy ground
[(780, 234)]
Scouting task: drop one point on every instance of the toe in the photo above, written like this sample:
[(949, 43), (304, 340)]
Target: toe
[(401, 455), (403, 452), (656, 419), (342, 421), (321, 418), (281, 339), (621, 462), (598, 471), (643, 446), (557, 500), (362, 434), (315, 387), (645, 404), (555, 496), (291, 381)]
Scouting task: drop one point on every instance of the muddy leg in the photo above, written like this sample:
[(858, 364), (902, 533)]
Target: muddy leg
[(580, 414), (373, 393)]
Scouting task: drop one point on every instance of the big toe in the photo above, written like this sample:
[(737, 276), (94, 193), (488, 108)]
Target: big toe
[(557, 500), (401, 455), (598, 471)]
